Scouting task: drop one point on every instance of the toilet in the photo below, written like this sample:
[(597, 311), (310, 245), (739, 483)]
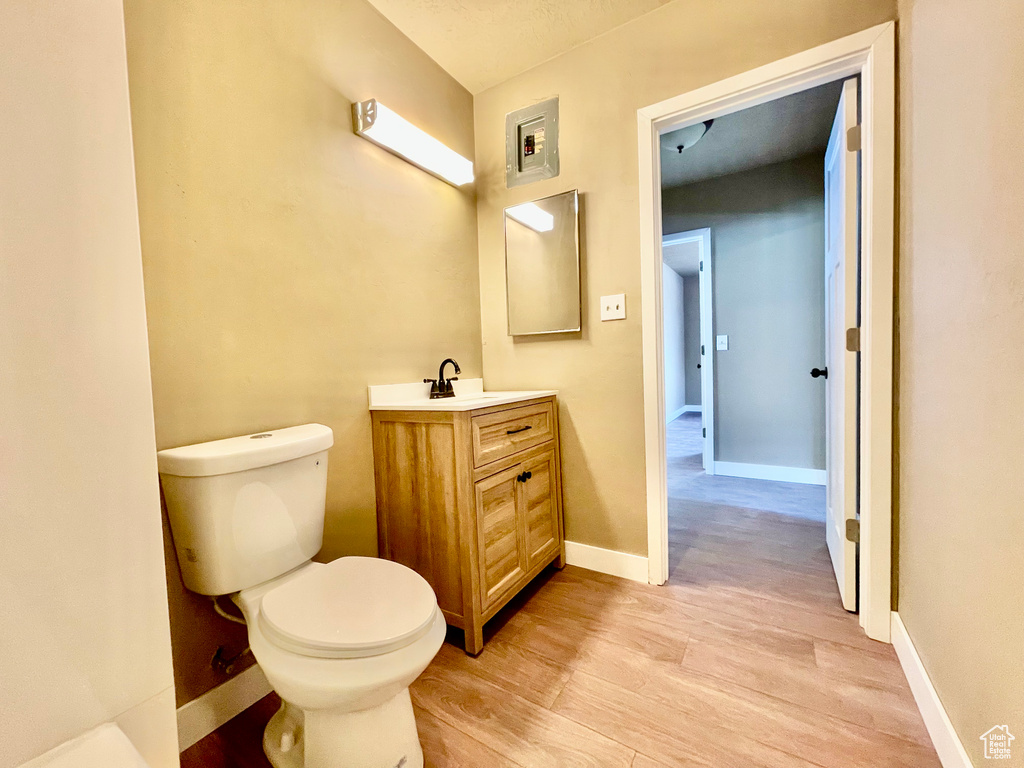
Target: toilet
[(340, 642)]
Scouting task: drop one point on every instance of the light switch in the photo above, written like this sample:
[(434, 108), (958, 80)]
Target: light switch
[(722, 342), (613, 307)]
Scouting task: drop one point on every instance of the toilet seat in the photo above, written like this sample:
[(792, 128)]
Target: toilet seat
[(350, 608)]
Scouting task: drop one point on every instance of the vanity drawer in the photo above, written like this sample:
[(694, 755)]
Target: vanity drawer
[(497, 435)]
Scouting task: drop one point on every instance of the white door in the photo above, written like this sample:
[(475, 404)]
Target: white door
[(842, 219)]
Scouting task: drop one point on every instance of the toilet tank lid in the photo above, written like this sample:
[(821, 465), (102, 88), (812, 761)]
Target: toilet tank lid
[(237, 454)]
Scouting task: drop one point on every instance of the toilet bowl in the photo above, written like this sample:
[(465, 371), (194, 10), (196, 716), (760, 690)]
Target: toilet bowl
[(340, 642)]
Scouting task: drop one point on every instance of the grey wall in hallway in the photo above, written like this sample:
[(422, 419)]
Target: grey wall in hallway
[(767, 243), (691, 335)]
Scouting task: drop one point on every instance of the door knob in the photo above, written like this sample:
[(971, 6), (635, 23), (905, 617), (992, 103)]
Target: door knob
[(816, 372)]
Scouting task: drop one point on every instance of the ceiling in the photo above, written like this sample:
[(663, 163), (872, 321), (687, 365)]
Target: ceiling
[(482, 42), (774, 132), (683, 258)]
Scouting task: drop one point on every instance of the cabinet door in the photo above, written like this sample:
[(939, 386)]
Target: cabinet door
[(500, 534), (540, 508)]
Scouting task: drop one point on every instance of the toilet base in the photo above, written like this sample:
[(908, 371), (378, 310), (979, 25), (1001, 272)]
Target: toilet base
[(384, 736), (282, 739)]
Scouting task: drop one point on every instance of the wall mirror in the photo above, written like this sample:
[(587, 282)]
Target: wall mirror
[(542, 265)]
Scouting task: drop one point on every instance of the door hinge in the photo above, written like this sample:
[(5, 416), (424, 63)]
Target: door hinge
[(702, 266), (853, 531), (702, 349), (704, 432), (853, 139), (853, 339)]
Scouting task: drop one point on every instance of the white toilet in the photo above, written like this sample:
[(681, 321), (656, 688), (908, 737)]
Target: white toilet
[(340, 642)]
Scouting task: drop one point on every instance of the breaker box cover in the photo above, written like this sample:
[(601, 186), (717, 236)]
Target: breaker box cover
[(531, 143)]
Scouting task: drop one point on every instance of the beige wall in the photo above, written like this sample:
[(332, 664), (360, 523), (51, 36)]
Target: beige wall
[(289, 263), (600, 85), (768, 274), (83, 625), (674, 338), (691, 324), (961, 402)]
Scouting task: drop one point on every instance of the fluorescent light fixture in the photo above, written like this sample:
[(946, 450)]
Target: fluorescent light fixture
[(373, 121), (533, 216)]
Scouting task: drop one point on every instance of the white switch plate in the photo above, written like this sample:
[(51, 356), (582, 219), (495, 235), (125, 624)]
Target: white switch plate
[(613, 307), (722, 342)]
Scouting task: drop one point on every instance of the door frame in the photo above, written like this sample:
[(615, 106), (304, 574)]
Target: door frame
[(872, 55), (707, 372)]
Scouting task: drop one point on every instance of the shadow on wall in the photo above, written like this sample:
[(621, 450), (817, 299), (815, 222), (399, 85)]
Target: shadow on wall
[(199, 631)]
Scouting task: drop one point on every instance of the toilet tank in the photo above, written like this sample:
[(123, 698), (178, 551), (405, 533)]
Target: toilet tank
[(246, 509)]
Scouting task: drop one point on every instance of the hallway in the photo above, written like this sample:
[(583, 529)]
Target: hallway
[(687, 481), (753, 537)]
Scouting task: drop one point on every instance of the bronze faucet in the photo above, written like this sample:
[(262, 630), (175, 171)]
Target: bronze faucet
[(442, 387)]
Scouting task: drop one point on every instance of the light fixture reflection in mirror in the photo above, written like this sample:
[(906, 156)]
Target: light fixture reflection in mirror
[(542, 265), (533, 216)]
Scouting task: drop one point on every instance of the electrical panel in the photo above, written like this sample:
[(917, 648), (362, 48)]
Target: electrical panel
[(531, 143)]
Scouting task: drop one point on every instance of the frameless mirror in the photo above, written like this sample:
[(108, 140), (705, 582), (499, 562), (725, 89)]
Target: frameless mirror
[(542, 265)]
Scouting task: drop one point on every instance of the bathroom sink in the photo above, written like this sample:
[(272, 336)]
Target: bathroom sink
[(415, 397)]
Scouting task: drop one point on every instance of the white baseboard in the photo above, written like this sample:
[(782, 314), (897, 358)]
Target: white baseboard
[(770, 472), (201, 717), (680, 411), (608, 561), (150, 727), (947, 744), (675, 414)]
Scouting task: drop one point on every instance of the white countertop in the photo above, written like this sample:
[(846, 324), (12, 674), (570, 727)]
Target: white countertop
[(469, 395)]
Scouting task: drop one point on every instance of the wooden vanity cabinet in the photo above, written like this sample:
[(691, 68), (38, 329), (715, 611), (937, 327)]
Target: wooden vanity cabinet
[(472, 501)]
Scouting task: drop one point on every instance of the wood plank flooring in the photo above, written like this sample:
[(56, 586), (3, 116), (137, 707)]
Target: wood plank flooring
[(590, 670), (744, 659)]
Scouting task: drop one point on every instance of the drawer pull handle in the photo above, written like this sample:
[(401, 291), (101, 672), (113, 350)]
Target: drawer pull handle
[(515, 431)]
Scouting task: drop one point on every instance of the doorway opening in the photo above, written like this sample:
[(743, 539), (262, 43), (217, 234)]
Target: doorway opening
[(860, 404), (745, 332)]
